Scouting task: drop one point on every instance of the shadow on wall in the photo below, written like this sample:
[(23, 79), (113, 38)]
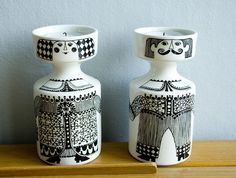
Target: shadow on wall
[(115, 83)]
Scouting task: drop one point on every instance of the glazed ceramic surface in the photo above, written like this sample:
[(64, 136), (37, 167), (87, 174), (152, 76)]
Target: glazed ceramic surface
[(162, 101), (67, 101)]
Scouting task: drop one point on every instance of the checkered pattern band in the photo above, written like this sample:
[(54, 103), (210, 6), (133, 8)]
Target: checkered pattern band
[(86, 48), (150, 151), (44, 49), (183, 151)]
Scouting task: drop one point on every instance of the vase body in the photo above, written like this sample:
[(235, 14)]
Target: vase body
[(161, 109), (67, 102)]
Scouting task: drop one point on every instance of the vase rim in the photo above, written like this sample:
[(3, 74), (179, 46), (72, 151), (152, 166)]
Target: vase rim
[(165, 32), (165, 43), (77, 31)]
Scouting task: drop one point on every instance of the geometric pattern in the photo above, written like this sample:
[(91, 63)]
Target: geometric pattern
[(49, 151), (56, 131), (151, 104), (165, 85), (183, 151), (157, 114), (44, 49), (87, 149), (150, 151), (67, 126), (66, 85), (86, 48), (183, 103), (162, 106), (84, 128)]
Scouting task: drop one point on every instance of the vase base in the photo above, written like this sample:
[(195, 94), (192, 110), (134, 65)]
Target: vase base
[(75, 160), (158, 162)]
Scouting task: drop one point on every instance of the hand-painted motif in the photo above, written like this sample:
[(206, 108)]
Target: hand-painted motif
[(164, 47), (165, 85), (78, 49), (66, 85), (157, 114), (67, 126)]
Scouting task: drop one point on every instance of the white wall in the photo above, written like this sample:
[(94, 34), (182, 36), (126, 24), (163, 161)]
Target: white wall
[(213, 68)]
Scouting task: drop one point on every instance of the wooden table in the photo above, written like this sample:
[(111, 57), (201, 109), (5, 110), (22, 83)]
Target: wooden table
[(215, 159)]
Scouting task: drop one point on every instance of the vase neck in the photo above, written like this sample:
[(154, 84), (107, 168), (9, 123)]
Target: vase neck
[(164, 70), (67, 70)]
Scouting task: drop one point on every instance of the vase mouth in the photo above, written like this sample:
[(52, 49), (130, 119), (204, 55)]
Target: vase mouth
[(165, 43), (64, 32), (165, 32), (65, 43)]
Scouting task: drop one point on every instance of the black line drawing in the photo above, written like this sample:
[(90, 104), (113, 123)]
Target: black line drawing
[(164, 85), (66, 85), (59, 80), (84, 48), (67, 126), (168, 46), (157, 114)]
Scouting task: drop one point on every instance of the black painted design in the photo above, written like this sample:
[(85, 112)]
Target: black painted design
[(164, 85), (66, 85), (168, 46), (148, 153), (59, 80), (157, 114), (183, 151), (67, 126), (44, 49), (84, 47)]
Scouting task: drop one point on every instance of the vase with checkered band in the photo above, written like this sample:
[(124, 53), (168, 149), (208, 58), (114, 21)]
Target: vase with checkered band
[(67, 101), (162, 101)]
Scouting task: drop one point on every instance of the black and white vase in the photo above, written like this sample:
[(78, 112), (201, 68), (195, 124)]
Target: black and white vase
[(67, 101), (162, 101)]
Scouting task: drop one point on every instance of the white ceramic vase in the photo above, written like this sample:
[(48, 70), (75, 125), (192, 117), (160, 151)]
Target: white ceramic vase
[(67, 101), (162, 101)]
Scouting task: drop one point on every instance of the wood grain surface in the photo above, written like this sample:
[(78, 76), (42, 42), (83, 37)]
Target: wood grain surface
[(209, 159)]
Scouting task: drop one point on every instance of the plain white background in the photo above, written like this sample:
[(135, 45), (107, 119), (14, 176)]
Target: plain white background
[(212, 70)]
